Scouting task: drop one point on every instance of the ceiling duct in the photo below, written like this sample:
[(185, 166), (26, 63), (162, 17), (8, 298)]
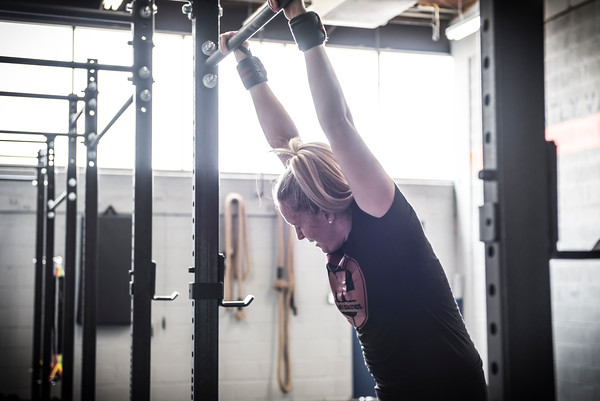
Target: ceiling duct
[(359, 13)]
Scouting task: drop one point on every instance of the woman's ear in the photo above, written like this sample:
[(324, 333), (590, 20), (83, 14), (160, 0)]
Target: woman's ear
[(329, 216)]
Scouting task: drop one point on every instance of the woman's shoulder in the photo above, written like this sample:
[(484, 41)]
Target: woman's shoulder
[(397, 208)]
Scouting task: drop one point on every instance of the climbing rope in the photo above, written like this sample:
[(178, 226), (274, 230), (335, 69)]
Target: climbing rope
[(237, 250), (285, 262), (56, 367)]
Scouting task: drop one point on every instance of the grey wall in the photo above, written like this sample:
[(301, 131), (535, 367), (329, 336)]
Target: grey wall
[(572, 63), (573, 107), (320, 336)]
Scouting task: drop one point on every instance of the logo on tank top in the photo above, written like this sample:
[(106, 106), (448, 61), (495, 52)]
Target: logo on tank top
[(348, 287)]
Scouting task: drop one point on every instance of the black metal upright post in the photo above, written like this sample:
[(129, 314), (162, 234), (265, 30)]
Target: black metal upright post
[(90, 274), (45, 291), (36, 367), (49, 288), (70, 255), (142, 290), (205, 338), (515, 216)]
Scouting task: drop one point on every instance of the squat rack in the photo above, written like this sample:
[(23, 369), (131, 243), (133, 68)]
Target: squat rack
[(513, 324), (142, 266), (518, 220), (44, 307), (206, 291)]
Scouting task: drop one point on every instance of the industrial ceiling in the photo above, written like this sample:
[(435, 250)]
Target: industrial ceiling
[(394, 24)]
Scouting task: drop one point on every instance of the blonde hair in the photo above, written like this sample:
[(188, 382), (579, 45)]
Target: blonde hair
[(313, 180)]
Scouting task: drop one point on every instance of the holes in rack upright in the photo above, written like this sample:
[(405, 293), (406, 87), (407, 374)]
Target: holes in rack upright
[(494, 368)]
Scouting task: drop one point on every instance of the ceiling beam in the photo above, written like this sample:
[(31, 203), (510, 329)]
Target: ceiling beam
[(170, 19)]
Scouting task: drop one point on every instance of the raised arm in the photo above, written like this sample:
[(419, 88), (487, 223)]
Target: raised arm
[(274, 120), (372, 188)]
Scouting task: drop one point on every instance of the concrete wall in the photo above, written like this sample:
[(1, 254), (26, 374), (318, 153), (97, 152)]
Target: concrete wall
[(320, 336), (573, 121), (572, 62)]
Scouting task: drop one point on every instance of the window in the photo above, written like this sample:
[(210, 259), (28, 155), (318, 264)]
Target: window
[(400, 101)]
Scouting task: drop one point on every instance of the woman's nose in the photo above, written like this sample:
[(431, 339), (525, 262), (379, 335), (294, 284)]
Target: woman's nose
[(299, 233)]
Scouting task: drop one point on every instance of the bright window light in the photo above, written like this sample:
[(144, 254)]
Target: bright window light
[(111, 4), (401, 102)]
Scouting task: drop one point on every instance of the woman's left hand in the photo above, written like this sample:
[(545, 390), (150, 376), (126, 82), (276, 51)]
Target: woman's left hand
[(293, 9)]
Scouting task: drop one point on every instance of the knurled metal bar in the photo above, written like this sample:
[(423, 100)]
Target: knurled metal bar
[(141, 273), (36, 362), (49, 288), (90, 274), (70, 259), (515, 216), (262, 18), (205, 338)]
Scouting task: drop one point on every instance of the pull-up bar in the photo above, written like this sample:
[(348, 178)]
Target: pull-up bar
[(17, 177), (262, 18), (21, 141), (20, 166), (65, 64), (20, 157), (46, 134), (40, 96)]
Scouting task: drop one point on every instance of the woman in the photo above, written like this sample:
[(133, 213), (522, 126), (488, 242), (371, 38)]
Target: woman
[(384, 275)]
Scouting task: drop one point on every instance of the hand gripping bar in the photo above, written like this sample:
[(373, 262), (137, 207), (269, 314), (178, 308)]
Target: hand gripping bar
[(262, 18)]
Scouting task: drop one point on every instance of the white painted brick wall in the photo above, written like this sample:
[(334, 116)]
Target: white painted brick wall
[(320, 336), (573, 91)]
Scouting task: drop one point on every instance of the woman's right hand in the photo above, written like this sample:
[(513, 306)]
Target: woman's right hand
[(223, 38)]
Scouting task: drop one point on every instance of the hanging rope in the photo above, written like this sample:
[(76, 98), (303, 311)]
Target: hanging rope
[(285, 261), (237, 251), (57, 329), (435, 23)]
